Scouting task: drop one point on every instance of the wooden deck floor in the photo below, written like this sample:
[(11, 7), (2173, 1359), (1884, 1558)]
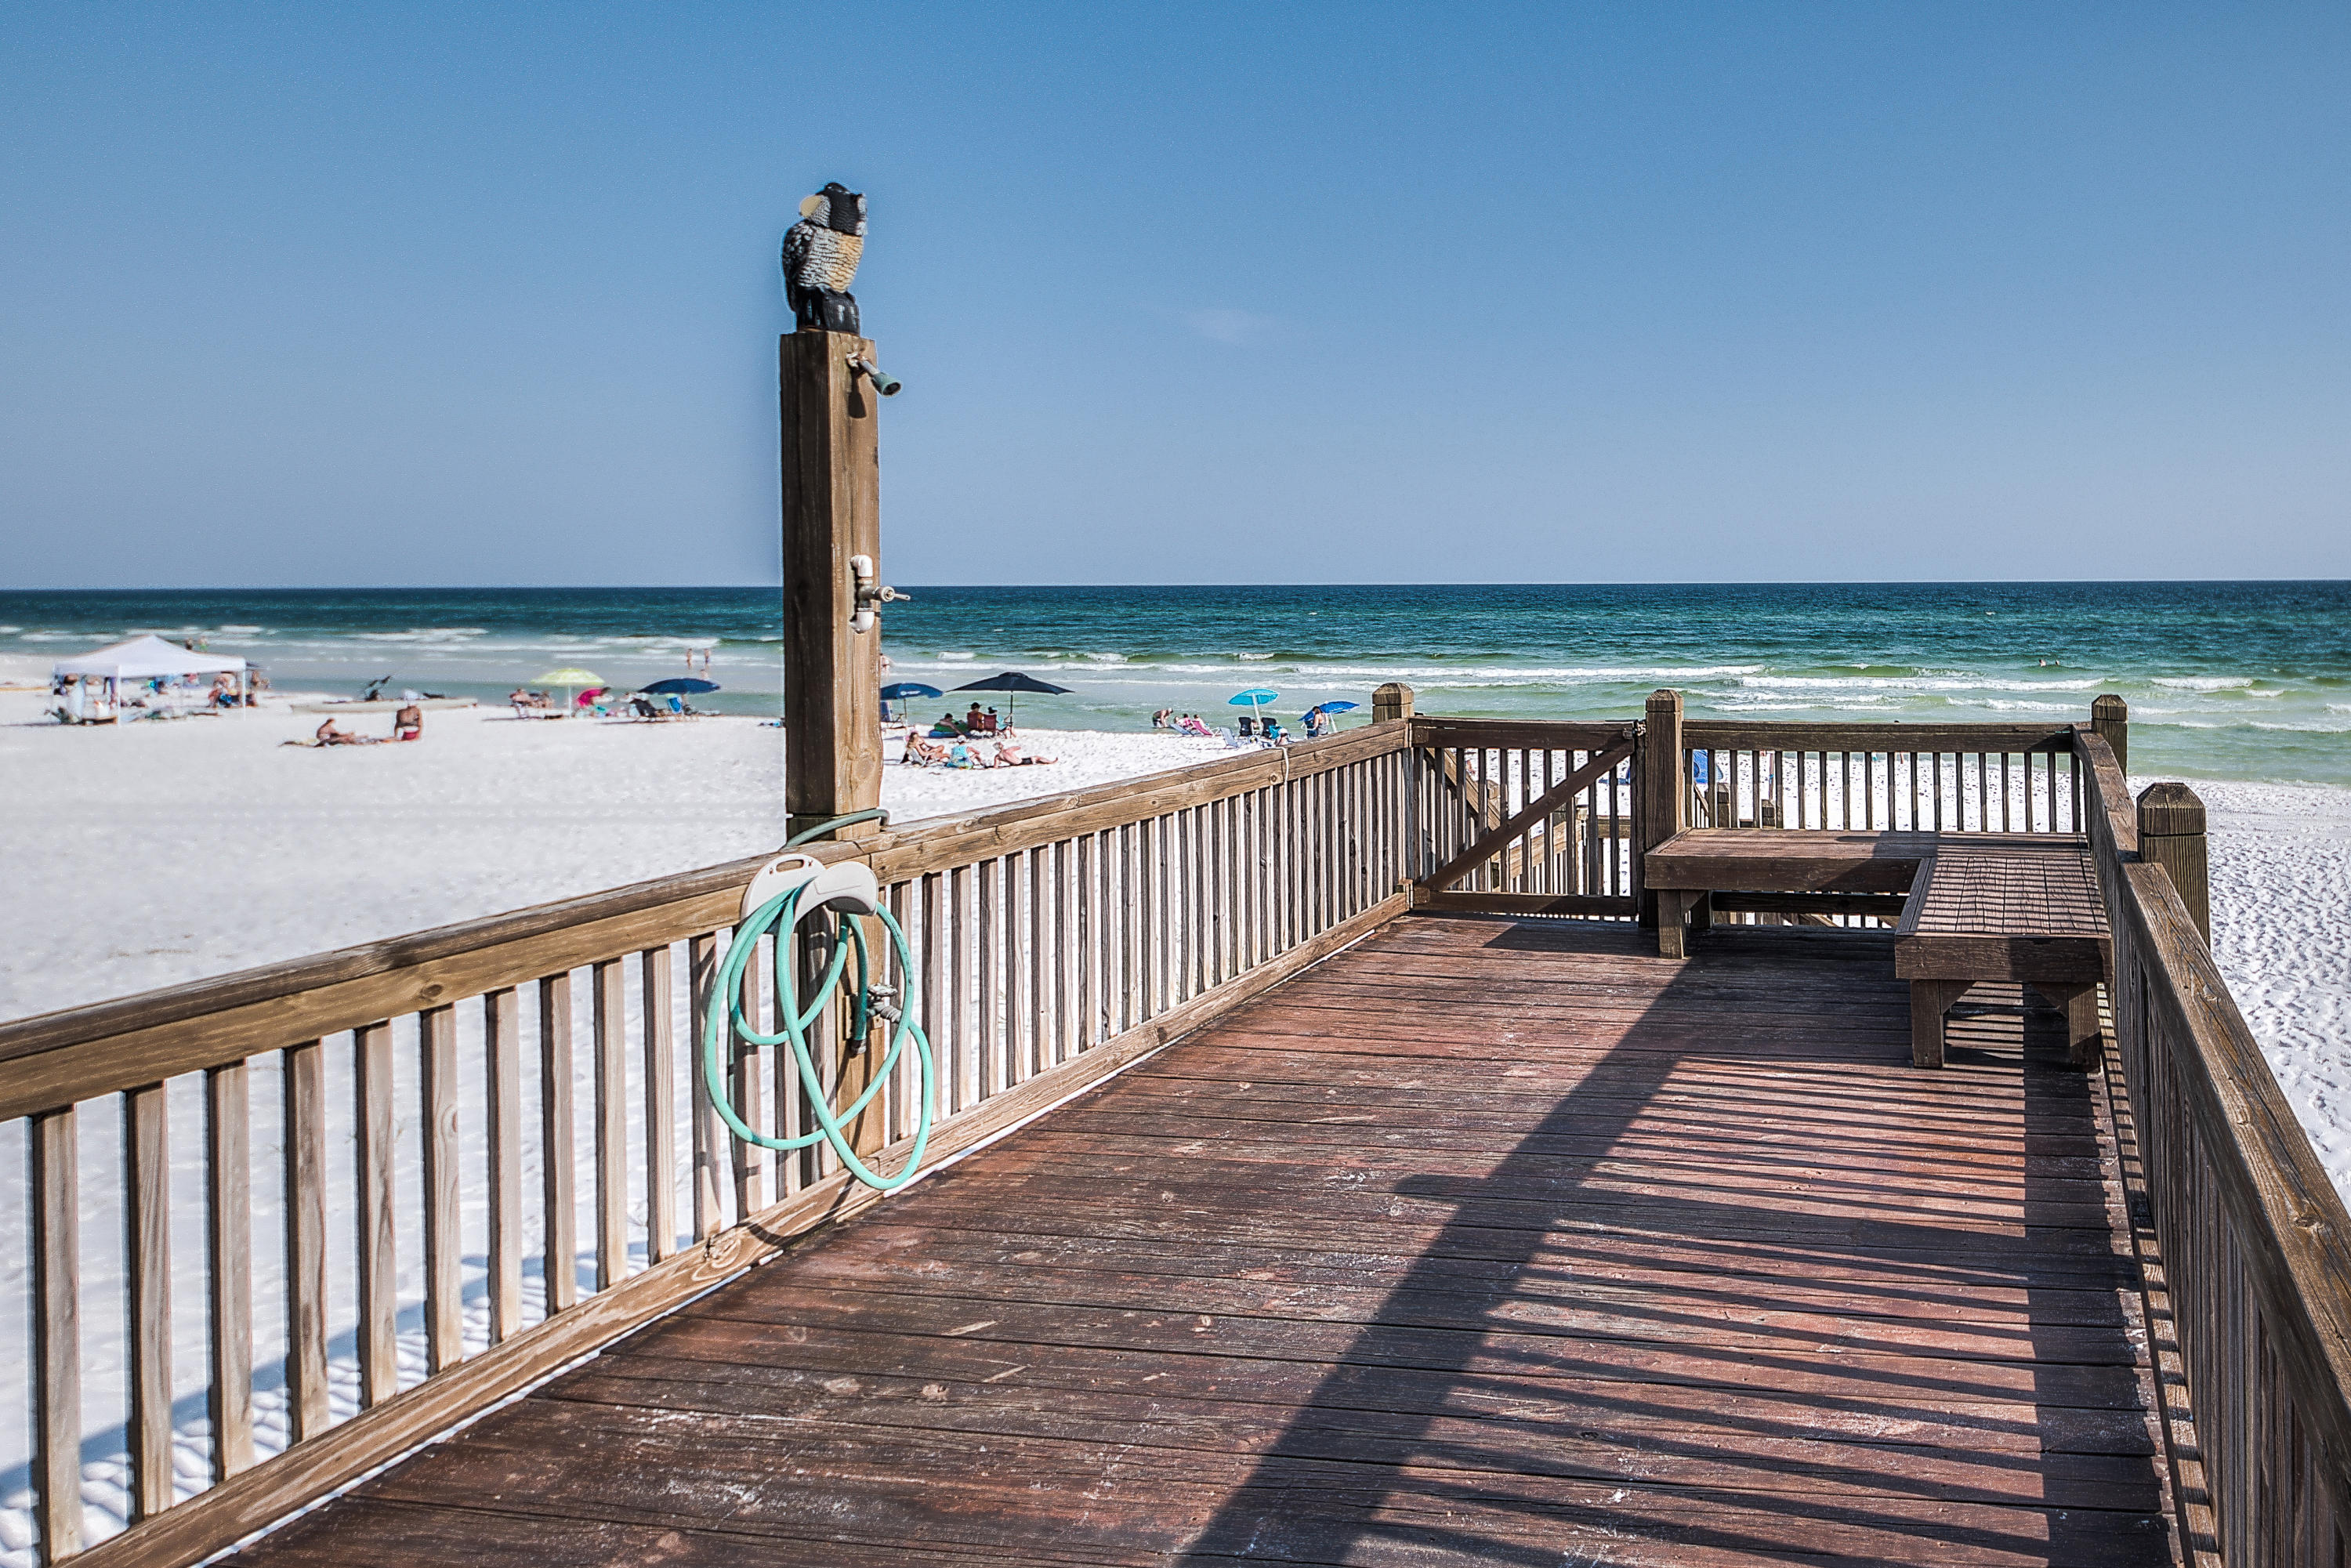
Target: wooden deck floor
[(1483, 1242)]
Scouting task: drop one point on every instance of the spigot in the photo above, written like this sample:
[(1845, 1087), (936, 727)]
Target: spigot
[(869, 595)]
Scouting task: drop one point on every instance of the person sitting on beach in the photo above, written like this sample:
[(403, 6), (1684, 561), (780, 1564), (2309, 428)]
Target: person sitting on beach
[(946, 728), (1318, 724), (960, 754), (328, 734), (1010, 756), (974, 720), (408, 724), (1273, 732), (921, 753), (997, 726)]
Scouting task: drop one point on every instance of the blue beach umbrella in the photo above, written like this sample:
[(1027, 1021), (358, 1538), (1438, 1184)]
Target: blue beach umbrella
[(1256, 698), (683, 685), (904, 691), (1329, 710)]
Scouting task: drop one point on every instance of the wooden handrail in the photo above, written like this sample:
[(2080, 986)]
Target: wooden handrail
[(1743, 735), (2255, 1240)]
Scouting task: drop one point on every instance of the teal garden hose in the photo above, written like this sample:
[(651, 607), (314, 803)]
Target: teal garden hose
[(807, 887)]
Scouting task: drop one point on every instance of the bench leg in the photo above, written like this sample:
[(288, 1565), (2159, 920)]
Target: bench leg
[(1701, 912), (1929, 1001), (2079, 1003), (1672, 904)]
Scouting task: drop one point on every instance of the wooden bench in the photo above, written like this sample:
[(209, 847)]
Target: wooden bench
[(1995, 907), (1693, 864), (1971, 907)]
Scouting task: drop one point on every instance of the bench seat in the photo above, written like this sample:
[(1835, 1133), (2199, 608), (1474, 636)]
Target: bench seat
[(1977, 907), (2004, 907)]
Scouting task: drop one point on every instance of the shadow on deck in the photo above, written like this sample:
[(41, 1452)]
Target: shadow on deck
[(1482, 1242)]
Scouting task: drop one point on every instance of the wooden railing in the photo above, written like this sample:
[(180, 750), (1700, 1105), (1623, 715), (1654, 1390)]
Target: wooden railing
[(412, 1102), (1872, 777), (1515, 817), (2253, 1246)]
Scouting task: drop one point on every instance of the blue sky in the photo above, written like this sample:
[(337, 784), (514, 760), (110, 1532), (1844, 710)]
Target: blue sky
[(450, 293)]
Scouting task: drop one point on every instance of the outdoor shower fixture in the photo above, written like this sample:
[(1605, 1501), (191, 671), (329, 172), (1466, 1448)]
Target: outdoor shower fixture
[(884, 381), (870, 596)]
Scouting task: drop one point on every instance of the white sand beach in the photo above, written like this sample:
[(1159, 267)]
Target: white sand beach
[(148, 854)]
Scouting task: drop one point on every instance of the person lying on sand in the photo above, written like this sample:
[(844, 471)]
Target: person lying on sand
[(1010, 756), (408, 724), (328, 734)]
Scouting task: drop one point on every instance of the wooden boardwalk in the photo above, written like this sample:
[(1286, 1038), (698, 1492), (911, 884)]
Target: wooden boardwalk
[(1482, 1242)]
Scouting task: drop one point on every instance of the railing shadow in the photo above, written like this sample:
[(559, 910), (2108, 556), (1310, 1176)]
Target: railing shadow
[(1806, 1313)]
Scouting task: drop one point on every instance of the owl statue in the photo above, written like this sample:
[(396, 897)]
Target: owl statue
[(820, 254)]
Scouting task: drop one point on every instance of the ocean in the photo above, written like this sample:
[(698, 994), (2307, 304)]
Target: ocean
[(2226, 680)]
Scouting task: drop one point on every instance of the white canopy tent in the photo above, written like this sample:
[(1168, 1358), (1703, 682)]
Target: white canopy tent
[(140, 659), (145, 658)]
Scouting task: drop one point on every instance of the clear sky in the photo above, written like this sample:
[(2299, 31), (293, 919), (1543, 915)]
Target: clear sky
[(466, 293)]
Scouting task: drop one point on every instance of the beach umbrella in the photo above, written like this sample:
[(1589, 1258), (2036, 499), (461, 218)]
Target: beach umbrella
[(571, 678), (905, 692), (1011, 683), (1256, 698), (1331, 710), (685, 685)]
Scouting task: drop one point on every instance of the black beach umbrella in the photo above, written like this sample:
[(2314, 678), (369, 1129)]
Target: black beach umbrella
[(1011, 681)]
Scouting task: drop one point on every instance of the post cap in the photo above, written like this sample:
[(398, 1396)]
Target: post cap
[(2170, 810), (2108, 705), (1665, 697)]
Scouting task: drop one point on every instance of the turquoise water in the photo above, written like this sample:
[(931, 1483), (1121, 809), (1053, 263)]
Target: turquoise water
[(2225, 680)]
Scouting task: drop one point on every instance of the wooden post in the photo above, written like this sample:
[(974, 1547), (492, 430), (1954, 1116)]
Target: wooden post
[(2110, 720), (1390, 701), (1659, 798), (832, 511), (2171, 835), (831, 491)]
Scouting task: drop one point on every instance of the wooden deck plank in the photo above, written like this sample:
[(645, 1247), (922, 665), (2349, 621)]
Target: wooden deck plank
[(1481, 1242)]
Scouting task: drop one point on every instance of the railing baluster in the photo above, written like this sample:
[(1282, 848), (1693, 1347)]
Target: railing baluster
[(560, 1271), (1064, 1024), (228, 1247), (378, 1303), (710, 1136), (444, 1300), (1017, 911), (609, 1022), (57, 1330), (661, 1104), (147, 1182), (991, 976), (305, 1072), (502, 1079), (954, 1040)]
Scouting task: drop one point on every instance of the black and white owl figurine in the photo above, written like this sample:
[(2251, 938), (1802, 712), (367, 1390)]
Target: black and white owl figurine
[(820, 254)]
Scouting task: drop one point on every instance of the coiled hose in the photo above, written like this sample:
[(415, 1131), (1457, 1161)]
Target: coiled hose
[(780, 915)]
